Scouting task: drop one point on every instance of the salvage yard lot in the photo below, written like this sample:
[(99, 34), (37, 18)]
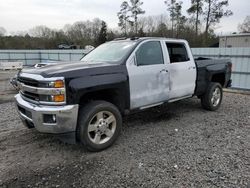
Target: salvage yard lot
[(175, 145)]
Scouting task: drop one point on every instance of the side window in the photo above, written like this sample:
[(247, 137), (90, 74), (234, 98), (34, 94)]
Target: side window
[(177, 52), (149, 53)]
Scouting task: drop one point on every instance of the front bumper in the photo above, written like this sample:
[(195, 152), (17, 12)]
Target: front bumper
[(32, 114)]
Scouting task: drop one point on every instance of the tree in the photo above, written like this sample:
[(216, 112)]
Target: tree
[(41, 31), (177, 19), (245, 26), (196, 9), (180, 19), (141, 33), (102, 37), (111, 35), (162, 30), (136, 10), (214, 12), (130, 10), (123, 16), (2, 31), (171, 7)]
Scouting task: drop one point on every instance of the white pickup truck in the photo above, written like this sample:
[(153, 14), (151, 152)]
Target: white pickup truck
[(85, 100)]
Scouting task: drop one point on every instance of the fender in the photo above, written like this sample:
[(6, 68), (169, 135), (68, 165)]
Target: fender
[(115, 82)]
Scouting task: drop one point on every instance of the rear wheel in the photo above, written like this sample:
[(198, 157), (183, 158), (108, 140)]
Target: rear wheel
[(211, 100), (99, 125)]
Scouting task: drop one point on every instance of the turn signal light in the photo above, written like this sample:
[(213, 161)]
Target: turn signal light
[(58, 84), (59, 98)]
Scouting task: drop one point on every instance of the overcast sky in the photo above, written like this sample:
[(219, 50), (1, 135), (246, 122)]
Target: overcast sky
[(21, 15)]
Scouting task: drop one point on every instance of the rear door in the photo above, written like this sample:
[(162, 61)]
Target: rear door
[(148, 75), (182, 70)]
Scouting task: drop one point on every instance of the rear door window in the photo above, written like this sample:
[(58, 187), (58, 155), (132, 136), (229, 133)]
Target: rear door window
[(177, 52)]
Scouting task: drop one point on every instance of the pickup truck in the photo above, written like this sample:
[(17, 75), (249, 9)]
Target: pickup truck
[(85, 101)]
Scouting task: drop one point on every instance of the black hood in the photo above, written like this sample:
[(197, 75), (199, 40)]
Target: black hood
[(74, 69)]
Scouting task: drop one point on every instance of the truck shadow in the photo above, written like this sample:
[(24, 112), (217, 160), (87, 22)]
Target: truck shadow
[(164, 112)]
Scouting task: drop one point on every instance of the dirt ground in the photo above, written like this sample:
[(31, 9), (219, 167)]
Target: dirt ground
[(175, 145)]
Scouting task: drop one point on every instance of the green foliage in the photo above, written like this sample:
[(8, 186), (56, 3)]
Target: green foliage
[(196, 10), (177, 19), (136, 10), (95, 32), (214, 11), (123, 17), (80, 33), (128, 16), (102, 37), (141, 33)]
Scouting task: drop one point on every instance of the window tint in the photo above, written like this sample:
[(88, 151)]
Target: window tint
[(177, 52), (149, 53)]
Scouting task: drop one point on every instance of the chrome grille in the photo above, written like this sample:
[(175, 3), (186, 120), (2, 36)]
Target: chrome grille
[(31, 96), (28, 82)]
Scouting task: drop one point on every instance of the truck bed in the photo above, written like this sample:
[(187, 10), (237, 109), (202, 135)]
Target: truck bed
[(207, 68)]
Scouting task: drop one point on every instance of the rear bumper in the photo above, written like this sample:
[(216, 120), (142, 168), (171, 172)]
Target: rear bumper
[(32, 114), (229, 83)]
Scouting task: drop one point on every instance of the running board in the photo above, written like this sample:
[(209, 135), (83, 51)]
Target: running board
[(177, 99), (152, 105)]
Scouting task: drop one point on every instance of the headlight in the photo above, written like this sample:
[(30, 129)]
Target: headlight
[(56, 92), (56, 84)]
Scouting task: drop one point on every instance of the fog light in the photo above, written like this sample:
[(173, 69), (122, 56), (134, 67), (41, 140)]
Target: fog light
[(49, 118)]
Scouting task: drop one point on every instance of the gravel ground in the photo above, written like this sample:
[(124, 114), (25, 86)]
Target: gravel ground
[(7, 91), (175, 145)]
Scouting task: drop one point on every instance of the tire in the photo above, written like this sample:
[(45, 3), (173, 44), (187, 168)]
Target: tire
[(99, 125), (212, 99)]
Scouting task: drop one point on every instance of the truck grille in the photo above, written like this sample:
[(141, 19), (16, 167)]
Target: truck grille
[(31, 96), (29, 82)]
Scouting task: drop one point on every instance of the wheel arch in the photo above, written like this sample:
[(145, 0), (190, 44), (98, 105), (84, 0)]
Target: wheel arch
[(219, 78), (113, 95)]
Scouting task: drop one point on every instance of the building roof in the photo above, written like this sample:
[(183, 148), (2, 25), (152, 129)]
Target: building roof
[(235, 35)]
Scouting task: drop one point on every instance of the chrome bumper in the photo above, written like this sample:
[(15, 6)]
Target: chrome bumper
[(66, 116)]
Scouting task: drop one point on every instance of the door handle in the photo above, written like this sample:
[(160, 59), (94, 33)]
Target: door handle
[(163, 70), (189, 68)]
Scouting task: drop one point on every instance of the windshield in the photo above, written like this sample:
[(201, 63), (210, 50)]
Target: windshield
[(111, 52)]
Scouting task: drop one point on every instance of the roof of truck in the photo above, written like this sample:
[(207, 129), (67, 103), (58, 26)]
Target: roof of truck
[(146, 38)]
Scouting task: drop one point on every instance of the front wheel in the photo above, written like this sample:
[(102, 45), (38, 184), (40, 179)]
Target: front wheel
[(212, 99), (99, 125)]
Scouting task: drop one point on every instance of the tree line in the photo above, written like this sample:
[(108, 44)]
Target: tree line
[(80, 33), (196, 24), (176, 24)]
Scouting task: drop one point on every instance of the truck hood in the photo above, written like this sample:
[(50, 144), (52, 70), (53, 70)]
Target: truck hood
[(74, 69)]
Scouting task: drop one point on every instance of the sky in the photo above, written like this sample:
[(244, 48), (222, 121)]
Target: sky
[(22, 15)]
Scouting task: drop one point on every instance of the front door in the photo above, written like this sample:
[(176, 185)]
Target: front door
[(148, 75)]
